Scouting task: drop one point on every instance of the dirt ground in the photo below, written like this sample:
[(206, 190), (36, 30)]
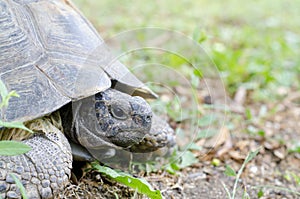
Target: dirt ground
[(270, 173)]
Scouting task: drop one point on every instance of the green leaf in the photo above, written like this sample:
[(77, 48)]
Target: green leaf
[(245, 195), (197, 72), (261, 133), (295, 192), (251, 155), (172, 168), (207, 133), (295, 149), (199, 35), (207, 120), (20, 186), (19, 125), (6, 98), (248, 114), (194, 146), (295, 177), (10, 148), (5, 95), (187, 159), (139, 184), (260, 193), (229, 171)]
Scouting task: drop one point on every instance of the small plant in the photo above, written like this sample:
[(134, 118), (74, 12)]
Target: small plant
[(139, 184), (260, 193), (11, 148), (230, 172), (180, 160), (291, 176)]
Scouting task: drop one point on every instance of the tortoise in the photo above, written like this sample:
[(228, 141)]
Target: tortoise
[(80, 103)]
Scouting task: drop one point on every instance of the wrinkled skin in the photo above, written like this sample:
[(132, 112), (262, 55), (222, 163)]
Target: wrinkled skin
[(127, 121), (124, 121)]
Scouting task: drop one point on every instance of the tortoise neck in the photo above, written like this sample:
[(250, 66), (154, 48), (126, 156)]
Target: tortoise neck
[(68, 122)]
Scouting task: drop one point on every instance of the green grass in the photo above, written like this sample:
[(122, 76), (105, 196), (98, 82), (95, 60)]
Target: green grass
[(230, 172), (253, 43)]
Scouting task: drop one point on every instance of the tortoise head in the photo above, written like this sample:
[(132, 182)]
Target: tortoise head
[(112, 118), (124, 119)]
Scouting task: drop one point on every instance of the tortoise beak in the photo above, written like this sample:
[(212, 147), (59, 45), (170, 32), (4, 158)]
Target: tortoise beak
[(161, 135)]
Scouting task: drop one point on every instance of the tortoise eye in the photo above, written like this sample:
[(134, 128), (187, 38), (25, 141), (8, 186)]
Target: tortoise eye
[(118, 112)]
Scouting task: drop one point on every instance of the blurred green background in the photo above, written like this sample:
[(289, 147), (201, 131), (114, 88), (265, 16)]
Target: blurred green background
[(255, 44)]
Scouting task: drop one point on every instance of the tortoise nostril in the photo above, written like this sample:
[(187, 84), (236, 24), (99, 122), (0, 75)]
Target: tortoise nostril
[(148, 118)]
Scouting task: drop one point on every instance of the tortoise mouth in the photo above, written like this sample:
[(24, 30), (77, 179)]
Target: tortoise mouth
[(152, 143), (126, 139), (157, 138), (148, 144)]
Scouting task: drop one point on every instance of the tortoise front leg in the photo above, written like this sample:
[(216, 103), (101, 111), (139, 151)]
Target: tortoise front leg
[(80, 153), (44, 170)]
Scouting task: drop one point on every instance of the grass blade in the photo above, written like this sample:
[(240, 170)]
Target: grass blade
[(278, 188), (20, 186), (249, 157), (227, 190)]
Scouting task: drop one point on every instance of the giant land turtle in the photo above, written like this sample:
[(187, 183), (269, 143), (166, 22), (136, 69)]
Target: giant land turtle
[(75, 98)]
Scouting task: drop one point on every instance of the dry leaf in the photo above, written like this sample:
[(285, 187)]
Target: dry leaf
[(236, 155), (218, 139), (240, 96), (280, 153)]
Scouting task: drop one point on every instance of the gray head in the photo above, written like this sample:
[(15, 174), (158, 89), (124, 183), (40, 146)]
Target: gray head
[(124, 119), (114, 118)]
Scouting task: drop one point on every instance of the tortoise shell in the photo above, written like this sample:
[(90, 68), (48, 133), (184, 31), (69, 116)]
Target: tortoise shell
[(51, 55)]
